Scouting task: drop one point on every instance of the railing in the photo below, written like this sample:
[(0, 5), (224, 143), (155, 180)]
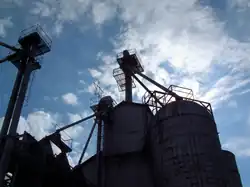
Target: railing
[(165, 98), (65, 137), (37, 28)]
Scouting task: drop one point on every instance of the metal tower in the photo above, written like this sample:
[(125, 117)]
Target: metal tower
[(33, 42), (130, 65)]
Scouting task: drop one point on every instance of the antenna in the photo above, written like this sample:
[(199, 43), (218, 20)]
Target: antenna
[(98, 90), (98, 94)]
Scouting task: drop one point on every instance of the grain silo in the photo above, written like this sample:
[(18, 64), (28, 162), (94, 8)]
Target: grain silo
[(126, 132), (186, 146), (125, 162), (231, 173)]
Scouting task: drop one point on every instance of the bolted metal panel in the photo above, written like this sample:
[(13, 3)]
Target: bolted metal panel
[(127, 130), (185, 146), (89, 170), (131, 170), (232, 176), (128, 170)]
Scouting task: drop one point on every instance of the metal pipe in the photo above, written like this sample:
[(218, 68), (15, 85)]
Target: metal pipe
[(128, 87), (8, 46), (75, 123), (5, 158), (13, 57), (87, 142), (177, 97), (8, 148), (11, 105), (99, 153), (138, 80), (4, 59), (21, 98)]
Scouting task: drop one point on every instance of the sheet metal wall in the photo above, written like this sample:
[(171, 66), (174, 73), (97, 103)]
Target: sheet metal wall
[(185, 146), (130, 170), (128, 129), (232, 176)]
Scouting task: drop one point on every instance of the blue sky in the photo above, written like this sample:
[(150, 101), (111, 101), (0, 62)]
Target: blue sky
[(203, 45)]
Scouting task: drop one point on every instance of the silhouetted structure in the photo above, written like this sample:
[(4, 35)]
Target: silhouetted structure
[(169, 140)]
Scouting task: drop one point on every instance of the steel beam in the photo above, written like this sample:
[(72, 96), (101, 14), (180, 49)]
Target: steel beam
[(177, 97), (11, 105), (75, 123), (128, 87), (87, 142)]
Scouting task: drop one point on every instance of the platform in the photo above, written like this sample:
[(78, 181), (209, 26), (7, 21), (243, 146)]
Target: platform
[(36, 37)]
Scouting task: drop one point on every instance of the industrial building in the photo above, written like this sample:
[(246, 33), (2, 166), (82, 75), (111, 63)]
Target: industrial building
[(168, 140)]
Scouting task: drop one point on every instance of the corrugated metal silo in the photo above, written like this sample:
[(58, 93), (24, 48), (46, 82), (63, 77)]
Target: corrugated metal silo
[(127, 129), (185, 146), (232, 176)]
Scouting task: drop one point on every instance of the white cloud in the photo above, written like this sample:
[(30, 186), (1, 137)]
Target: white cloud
[(58, 14), (38, 123), (10, 3), (244, 92), (74, 117), (46, 98), (56, 150), (61, 10), (4, 24), (58, 28), (70, 99), (102, 11), (86, 113), (75, 131), (95, 73), (240, 3), (80, 72), (82, 81), (184, 36), (224, 88), (180, 32), (43, 9), (240, 146), (233, 104)]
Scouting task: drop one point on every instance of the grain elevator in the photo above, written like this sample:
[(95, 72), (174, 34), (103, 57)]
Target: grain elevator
[(170, 139)]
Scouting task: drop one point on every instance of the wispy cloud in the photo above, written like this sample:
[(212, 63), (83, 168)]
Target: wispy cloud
[(232, 104), (10, 3), (238, 145), (191, 44), (70, 98), (73, 117), (38, 123), (224, 88), (5, 23), (103, 11), (240, 3), (61, 12)]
